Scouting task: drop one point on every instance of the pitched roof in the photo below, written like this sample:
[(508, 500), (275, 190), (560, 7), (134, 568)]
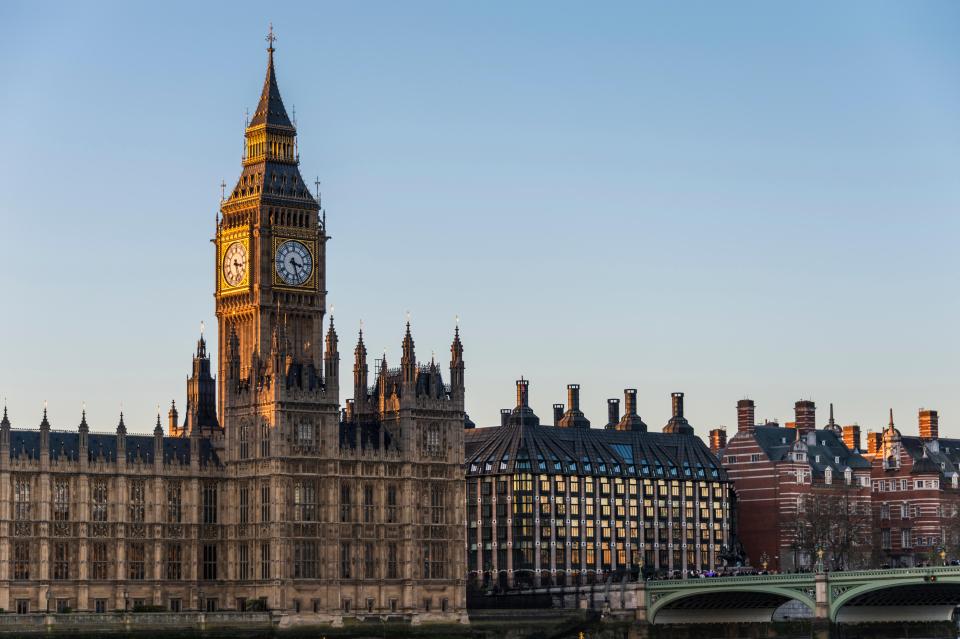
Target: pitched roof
[(66, 446), (827, 449)]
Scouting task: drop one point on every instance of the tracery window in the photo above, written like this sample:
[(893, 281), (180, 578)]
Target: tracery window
[(174, 503), (61, 500), (99, 508), (210, 503), (99, 561), (305, 501), (21, 560), (173, 561), (368, 503), (61, 561), (391, 504), (346, 503), (436, 504), (137, 493), (305, 560), (21, 497), (136, 565)]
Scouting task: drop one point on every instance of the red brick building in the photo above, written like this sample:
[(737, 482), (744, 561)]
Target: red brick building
[(915, 493), (776, 468)]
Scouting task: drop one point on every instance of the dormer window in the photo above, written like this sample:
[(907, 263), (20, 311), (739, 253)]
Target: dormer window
[(817, 459), (836, 460), (828, 476)]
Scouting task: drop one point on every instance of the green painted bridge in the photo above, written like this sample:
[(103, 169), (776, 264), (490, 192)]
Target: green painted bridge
[(930, 593)]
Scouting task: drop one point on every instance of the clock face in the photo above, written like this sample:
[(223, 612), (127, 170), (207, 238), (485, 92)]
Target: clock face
[(294, 263), (235, 264)]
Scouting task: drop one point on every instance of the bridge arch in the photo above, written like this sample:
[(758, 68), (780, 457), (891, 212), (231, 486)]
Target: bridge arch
[(859, 590), (787, 594)]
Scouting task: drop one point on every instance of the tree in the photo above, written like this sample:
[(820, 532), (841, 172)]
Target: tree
[(834, 520)]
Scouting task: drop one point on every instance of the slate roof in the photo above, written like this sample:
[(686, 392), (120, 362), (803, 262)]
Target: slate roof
[(942, 457), (826, 451), (270, 109), (66, 446), (588, 451)]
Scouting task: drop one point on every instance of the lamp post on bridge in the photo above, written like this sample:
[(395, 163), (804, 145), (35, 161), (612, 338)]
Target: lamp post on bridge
[(819, 558)]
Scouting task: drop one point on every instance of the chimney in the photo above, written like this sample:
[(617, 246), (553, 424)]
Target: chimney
[(746, 415), (718, 439), (573, 396), (504, 416), (676, 399), (929, 425), (874, 442), (613, 412), (851, 437), (348, 411), (523, 397), (630, 401), (805, 413), (792, 425), (557, 413)]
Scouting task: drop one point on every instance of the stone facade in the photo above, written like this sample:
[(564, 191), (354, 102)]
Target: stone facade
[(267, 493)]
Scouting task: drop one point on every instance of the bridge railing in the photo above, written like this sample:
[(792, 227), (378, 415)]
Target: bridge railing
[(701, 582)]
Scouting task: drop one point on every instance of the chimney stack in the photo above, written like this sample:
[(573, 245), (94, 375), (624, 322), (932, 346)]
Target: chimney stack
[(676, 399), (631, 421), (613, 412), (523, 397), (746, 415), (573, 396), (805, 413), (718, 439), (851, 437), (348, 411), (557, 413), (504, 416), (929, 425), (874, 442), (630, 401)]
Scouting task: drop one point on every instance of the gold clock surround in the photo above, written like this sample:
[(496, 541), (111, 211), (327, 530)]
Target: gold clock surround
[(310, 242), (226, 242)]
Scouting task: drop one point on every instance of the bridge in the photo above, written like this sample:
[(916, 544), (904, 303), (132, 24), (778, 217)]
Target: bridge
[(904, 594)]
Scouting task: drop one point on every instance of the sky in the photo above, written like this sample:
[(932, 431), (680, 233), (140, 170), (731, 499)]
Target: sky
[(738, 199)]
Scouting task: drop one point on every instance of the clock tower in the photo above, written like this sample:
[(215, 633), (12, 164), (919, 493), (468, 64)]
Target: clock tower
[(270, 293)]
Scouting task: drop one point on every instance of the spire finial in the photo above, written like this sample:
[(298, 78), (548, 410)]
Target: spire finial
[(891, 418), (316, 182), (271, 38), (223, 191)]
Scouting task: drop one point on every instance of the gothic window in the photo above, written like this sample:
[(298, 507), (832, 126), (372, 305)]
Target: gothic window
[(433, 440), (434, 560), (264, 502), (243, 561), (391, 504), (21, 497), (392, 572), (305, 560), (304, 501), (99, 508), (244, 504), (345, 558), (137, 492), (210, 503), (369, 561), (21, 560), (265, 560), (346, 503), (368, 503), (265, 440), (304, 434), (136, 567), (61, 561), (244, 436), (61, 500), (174, 503), (99, 561), (174, 561), (209, 562), (436, 504)]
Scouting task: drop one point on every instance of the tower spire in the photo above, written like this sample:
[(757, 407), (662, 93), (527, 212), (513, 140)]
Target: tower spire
[(270, 110)]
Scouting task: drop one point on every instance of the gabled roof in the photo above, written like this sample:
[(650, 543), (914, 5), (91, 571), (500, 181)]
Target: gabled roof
[(827, 449)]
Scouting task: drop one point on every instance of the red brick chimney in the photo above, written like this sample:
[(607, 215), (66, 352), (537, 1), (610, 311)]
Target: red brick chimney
[(929, 425), (851, 436), (874, 442), (805, 413), (746, 414), (718, 439)]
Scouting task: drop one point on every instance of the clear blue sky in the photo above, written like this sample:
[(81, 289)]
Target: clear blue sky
[(729, 199)]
